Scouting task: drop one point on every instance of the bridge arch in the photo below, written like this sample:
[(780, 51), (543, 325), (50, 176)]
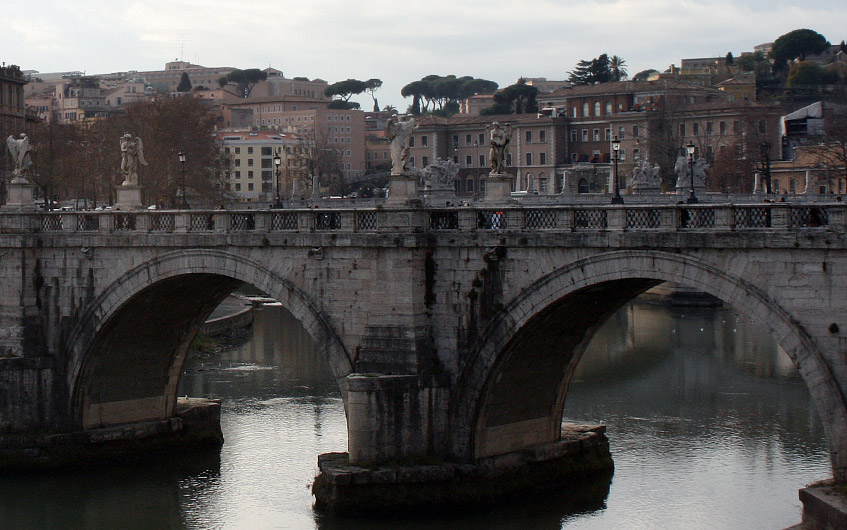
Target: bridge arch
[(127, 350), (511, 391)]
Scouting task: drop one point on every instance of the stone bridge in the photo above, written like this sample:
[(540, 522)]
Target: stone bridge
[(453, 333)]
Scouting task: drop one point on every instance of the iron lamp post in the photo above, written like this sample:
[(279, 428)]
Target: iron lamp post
[(616, 149), (690, 150), (277, 163), (184, 205)]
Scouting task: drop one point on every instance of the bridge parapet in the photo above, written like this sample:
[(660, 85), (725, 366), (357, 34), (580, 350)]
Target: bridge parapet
[(717, 217)]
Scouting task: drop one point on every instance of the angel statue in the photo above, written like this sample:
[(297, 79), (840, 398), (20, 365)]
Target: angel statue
[(399, 131), (499, 138), (132, 154), (19, 149)]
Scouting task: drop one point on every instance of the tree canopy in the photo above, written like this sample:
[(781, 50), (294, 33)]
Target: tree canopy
[(344, 90), (245, 80), (442, 93), (598, 70), (184, 83), (371, 85), (797, 44), (805, 74), (519, 98)]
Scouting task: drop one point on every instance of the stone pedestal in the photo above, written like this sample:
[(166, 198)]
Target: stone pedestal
[(129, 198), (20, 195), (402, 189), (498, 187)]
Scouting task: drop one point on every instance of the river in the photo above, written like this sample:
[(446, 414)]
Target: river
[(710, 426)]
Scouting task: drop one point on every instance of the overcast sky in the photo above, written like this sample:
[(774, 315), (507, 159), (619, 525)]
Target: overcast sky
[(397, 41)]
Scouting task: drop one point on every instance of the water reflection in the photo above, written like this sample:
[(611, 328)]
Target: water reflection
[(709, 423)]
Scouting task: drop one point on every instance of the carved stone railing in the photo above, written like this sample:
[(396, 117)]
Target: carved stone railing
[(571, 218)]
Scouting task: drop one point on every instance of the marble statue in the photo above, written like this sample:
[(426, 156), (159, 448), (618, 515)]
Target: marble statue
[(646, 178), (499, 138), (683, 179), (399, 131), (20, 151), (132, 154), (441, 173)]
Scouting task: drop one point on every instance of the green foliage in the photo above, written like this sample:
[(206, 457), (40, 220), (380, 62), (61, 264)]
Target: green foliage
[(643, 75), (519, 98), (184, 83), (729, 58), (371, 85), (597, 70), (757, 63), (442, 93), (618, 66), (245, 80), (796, 44), (345, 89), (804, 74), (343, 105)]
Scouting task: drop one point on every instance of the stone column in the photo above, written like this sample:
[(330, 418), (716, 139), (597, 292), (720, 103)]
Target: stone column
[(498, 187), (20, 195), (128, 198), (402, 188)]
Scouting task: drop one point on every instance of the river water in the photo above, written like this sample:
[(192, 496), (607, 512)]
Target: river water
[(709, 425)]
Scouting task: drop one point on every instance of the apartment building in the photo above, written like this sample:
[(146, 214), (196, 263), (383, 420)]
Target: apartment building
[(340, 130), (251, 175), (537, 149)]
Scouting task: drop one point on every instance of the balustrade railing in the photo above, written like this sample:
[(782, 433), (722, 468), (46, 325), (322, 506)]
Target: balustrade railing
[(726, 217)]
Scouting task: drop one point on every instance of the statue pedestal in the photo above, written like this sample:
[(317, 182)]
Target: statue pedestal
[(402, 188), (20, 195), (128, 198), (498, 187)]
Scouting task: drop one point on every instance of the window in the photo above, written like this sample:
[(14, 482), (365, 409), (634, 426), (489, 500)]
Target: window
[(411, 160), (468, 161), (585, 110), (585, 135), (608, 107), (249, 174), (481, 138), (456, 159), (708, 128), (250, 150), (455, 141), (267, 163), (424, 140), (237, 186), (622, 133), (776, 185), (508, 159), (574, 112), (542, 158), (596, 135), (238, 174), (529, 159), (237, 161), (411, 141), (424, 160), (469, 185), (635, 131), (681, 129), (622, 155), (608, 134), (596, 108), (238, 150), (574, 136), (636, 154), (481, 160), (542, 185), (736, 127), (722, 127), (250, 162), (249, 186), (542, 136), (468, 140), (696, 128), (528, 136)]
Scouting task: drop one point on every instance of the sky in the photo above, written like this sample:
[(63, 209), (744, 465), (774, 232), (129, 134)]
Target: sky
[(398, 41)]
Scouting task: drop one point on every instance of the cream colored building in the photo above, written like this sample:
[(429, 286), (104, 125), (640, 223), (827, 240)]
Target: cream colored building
[(251, 175)]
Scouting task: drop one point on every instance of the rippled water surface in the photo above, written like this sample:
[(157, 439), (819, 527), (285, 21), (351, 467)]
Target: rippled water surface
[(709, 425)]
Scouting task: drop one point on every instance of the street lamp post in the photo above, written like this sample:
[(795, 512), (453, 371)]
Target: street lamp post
[(184, 205), (277, 162), (690, 149), (616, 149)]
